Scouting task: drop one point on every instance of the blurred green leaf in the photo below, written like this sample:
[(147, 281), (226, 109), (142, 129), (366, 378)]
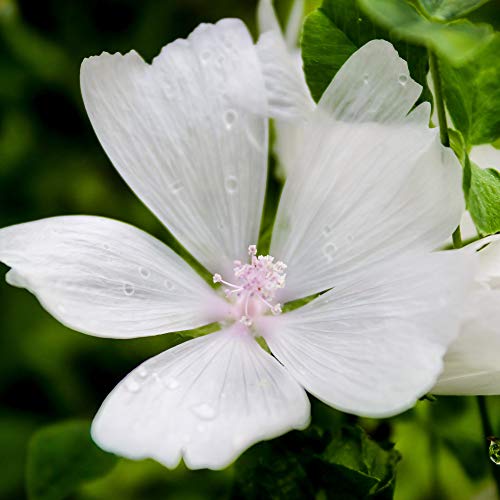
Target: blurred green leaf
[(446, 10), (483, 197), (472, 95), (334, 32), (278, 469), (61, 457), (456, 41), (354, 466)]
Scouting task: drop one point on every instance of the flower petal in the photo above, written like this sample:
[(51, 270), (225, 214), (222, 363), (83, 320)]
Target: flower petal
[(374, 344), (187, 133), (471, 365), (368, 185), (206, 400), (373, 85), (287, 92), (106, 278)]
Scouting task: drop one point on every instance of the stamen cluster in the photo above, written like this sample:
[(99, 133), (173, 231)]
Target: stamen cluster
[(261, 278)]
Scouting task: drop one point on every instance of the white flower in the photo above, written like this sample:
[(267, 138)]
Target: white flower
[(376, 195), (289, 96), (472, 363)]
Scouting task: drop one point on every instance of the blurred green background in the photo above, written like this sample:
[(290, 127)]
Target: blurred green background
[(52, 164)]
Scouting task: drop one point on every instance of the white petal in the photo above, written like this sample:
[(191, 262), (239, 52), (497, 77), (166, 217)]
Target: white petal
[(287, 91), (364, 189), (485, 156), (373, 85), (374, 345), (294, 24), (472, 363), (187, 134), (106, 278), (206, 400), (266, 17), (489, 268)]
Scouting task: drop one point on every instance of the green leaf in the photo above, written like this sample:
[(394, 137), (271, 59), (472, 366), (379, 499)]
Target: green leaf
[(334, 32), (472, 95), (456, 41), (446, 10), (483, 198), (278, 469), (61, 457), (354, 466)]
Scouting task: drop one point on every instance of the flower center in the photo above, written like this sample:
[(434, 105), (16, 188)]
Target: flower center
[(256, 284)]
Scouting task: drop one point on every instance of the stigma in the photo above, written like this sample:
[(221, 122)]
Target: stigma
[(255, 285)]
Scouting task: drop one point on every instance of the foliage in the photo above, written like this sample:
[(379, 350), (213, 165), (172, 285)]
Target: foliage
[(62, 456), (456, 41), (345, 465), (335, 31)]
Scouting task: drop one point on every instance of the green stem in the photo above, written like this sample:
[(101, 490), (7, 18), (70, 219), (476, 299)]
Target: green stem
[(438, 98), (457, 238), (488, 432)]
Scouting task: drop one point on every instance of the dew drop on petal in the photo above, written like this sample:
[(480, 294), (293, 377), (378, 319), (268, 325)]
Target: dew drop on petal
[(171, 383), (231, 184), (142, 371), (366, 79), (204, 411), (230, 117), (145, 273), (128, 289), (132, 385), (168, 285), (327, 230), (176, 187), (403, 79), (205, 56), (494, 451), (328, 251), (105, 246)]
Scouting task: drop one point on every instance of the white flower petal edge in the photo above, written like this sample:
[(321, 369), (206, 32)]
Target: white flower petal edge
[(472, 364), (107, 278), (372, 346), (206, 400), (392, 187), (188, 134)]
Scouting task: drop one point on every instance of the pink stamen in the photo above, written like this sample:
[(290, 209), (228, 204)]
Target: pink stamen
[(260, 278)]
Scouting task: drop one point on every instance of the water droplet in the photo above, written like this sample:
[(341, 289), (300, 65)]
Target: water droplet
[(350, 237), (494, 450), (132, 385), (142, 371), (366, 79), (327, 230), (220, 60), (168, 285), (145, 273), (128, 289), (176, 187), (171, 383), (206, 55), (105, 246), (230, 117), (205, 411), (403, 79), (328, 251), (231, 184)]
